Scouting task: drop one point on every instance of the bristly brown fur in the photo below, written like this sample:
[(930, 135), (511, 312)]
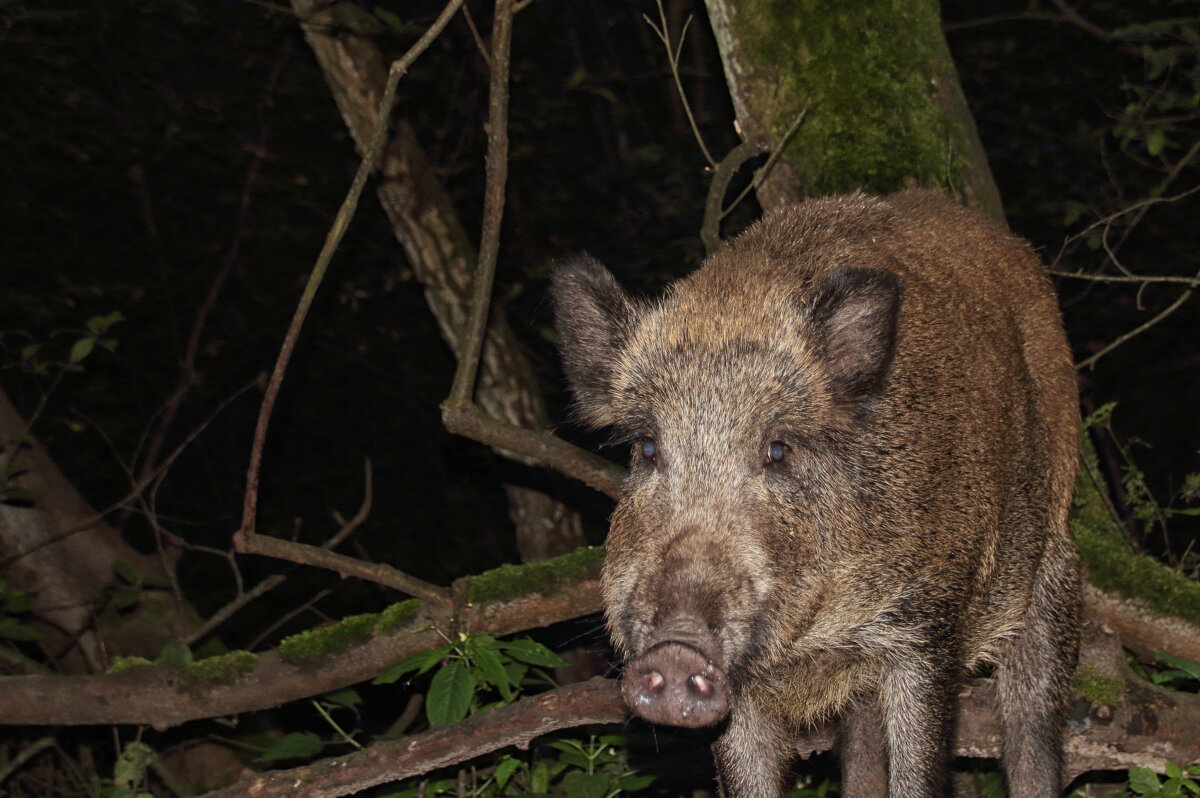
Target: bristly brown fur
[(855, 439)]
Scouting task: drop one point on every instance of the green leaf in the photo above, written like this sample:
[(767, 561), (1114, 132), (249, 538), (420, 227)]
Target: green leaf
[(532, 652), (126, 599), (297, 745), (419, 661), (388, 18), (345, 698), (126, 572), (29, 350), (1173, 771), (539, 777), (17, 600), (1143, 781), (493, 672), (18, 495), (81, 349), (173, 653), (582, 785), (1186, 665), (505, 769), (12, 629), (1155, 141), (635, 783), (131, 765), (449, 695)]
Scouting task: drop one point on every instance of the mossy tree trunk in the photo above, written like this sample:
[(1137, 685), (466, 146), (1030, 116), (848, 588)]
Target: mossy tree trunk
[(882, 102)]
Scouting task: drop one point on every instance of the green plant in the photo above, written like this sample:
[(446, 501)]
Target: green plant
[(592, 768), (1175, 784), (1145, 510), (470, 668), (15, 603)]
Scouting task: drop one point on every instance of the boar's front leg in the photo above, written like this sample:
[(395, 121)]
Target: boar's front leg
[(752, 754), (916, 698), (863, 751)]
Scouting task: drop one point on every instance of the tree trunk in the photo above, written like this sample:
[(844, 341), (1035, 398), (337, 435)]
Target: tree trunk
[(61, 551), (425, 223), (881, 100)]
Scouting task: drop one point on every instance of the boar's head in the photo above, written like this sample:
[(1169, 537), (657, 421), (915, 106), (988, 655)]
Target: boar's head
[(743, 394)]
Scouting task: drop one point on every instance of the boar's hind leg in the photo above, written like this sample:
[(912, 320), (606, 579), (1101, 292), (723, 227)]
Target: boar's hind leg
[(863, 752), (916, 699), (1034, 677), (752, 754)]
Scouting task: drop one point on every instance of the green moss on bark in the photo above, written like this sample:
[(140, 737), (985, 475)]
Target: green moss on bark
[(547, 577), (1111, 565), (336, 637), (866, 71), (1098, 688), (197, 676)]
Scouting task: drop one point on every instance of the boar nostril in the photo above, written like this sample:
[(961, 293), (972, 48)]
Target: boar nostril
[(653, 682), (700, 686)]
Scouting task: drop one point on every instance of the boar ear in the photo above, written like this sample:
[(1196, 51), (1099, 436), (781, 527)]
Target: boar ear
[(854, 315), (593, 316)]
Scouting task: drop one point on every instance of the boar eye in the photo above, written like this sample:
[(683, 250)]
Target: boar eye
[(648, 449), (775, 451)]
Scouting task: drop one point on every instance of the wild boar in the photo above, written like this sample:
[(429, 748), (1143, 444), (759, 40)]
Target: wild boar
[(854, 439)]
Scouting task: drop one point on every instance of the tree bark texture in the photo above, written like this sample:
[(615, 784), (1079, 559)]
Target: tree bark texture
[(61, 551), (884, 108), (427, 226)]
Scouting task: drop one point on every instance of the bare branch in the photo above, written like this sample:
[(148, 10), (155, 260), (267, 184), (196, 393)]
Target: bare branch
[(493, 203), (1089, 362), (320, 557), (541, 447), (333, 238), (595, 701), (163, 697), (710, 231)]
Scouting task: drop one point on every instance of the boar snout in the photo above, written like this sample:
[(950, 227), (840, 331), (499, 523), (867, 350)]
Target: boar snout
[(678, 685)]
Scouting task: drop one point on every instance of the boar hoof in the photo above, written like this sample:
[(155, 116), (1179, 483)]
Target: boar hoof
[(676, 685)]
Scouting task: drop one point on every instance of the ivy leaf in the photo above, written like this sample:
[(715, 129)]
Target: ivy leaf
[(298, 745), (449, 695)]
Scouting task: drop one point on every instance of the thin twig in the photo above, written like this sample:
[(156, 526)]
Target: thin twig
[(1091, 361), (493, 204), (363, 511), (483, 49), (381, 573), (225, 613), (369, 163), (673, 59), (27, 753)]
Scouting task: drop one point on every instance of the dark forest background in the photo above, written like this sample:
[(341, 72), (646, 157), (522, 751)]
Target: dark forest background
[(147, 145)]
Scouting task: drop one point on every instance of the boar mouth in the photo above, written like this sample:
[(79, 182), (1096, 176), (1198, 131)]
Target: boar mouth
[(676, 684)]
